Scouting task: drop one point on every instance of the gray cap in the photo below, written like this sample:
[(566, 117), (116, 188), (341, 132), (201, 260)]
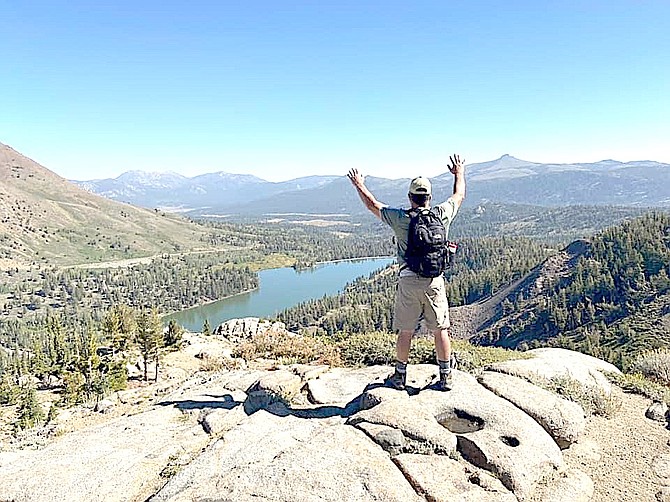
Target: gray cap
[(420, 186)]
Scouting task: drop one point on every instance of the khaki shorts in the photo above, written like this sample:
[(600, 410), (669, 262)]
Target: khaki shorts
[(417, 296)]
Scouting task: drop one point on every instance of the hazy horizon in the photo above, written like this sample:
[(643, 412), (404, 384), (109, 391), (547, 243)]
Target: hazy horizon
[(409, 174)]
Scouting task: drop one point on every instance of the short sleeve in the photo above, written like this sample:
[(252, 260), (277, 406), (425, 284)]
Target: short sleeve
[(446, 211), (392, 216)]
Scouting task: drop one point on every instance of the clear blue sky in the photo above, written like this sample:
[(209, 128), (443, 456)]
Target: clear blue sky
[(282, 89)]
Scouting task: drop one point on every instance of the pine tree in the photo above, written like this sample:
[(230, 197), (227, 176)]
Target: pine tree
[(206, 328), (173, 334), (30, 411), (149, 339)]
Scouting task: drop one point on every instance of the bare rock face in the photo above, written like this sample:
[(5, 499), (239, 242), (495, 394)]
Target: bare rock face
[(564, 420), (442, 478), (121, 460), (313, 433), (423, 434), (494, 434), (288, 459)]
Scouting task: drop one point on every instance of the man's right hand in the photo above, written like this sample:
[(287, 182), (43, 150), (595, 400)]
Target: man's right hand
[(368, 199)]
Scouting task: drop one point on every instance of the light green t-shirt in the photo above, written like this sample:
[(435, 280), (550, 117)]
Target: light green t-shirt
[(398, 220)]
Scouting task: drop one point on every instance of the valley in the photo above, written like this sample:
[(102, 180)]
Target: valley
[(82, 274)]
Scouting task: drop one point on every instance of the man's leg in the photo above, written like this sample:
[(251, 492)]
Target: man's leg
[(403, 344), (442, 344), (405, 314), (444, 359), (399, 377), (437, 317)]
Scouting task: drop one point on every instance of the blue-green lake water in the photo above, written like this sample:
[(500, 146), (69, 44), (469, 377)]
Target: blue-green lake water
[(279, 289)]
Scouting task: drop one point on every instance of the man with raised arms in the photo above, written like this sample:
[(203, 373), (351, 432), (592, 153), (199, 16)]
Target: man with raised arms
[(417, 295)]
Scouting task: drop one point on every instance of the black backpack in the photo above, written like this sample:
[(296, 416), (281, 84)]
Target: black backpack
[(427, 253)]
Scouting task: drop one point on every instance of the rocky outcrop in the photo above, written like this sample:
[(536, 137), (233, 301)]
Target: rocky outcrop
[(548, 364), (240, 330), (307, 433), (564, 420)]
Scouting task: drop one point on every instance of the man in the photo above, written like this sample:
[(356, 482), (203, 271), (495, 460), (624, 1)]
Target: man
[(418, 296)]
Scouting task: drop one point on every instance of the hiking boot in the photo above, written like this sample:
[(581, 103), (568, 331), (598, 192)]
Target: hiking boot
[(396, 380), (445, 383)]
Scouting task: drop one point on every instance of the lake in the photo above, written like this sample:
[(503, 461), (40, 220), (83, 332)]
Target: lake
[(279, 289)]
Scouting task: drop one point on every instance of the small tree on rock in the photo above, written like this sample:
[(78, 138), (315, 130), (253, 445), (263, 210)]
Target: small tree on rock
[(149, 339)]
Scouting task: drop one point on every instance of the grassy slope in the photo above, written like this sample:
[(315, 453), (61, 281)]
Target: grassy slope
[(45, 218)]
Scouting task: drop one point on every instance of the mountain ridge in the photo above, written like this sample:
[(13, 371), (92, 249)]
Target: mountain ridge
[(506, 179)]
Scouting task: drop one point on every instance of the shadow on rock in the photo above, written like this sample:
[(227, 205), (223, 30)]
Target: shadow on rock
[(225, 401)]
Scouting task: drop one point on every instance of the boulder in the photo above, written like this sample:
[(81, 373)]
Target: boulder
[(341, 386), (564, 420), (237, 379), (120, 460), (422, 432), (104, 406), (493, 434), (275, 386), (309, 371), (550, 363), (657, 412), (373, 395), (444, 479), (285, 459), (240, 330)]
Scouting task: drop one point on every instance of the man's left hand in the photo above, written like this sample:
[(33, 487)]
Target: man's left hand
[(356, 178)]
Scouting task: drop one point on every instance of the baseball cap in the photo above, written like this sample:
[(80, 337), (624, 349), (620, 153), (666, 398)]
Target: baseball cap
[(420, 186)]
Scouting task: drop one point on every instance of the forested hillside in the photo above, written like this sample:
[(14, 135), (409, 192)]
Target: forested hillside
[(483, 265), (610, 299), (608, 296)]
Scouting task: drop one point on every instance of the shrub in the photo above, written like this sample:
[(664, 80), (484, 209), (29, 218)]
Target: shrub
[(472, 357), (214, 363), (9, 392), (637, 383), (288, 348), (117, 378), (592, 399), (654, 365), (30, 411), (368, 349), (365, 349)]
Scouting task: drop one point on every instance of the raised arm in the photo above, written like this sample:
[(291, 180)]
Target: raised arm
[(457, 168), (366, 196)]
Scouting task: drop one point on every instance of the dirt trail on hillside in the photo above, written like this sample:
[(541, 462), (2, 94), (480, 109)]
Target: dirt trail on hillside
[(619, 453), (144, 260)]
